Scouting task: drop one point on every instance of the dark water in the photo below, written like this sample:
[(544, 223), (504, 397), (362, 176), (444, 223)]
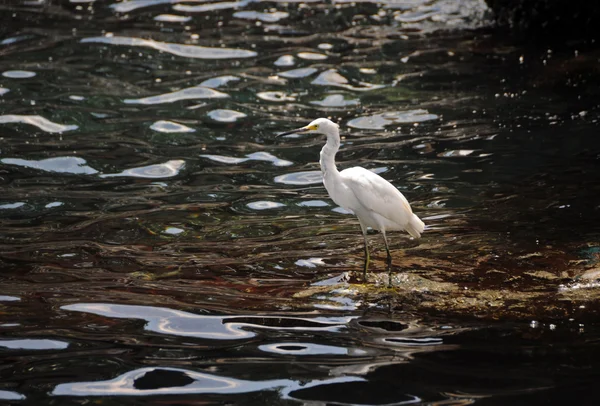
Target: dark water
[(160, 246)]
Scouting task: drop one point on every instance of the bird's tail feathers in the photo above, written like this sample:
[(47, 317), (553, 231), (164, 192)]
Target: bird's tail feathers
[(415, 226)]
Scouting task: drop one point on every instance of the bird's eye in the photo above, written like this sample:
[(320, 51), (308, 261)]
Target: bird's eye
[(316, 126)]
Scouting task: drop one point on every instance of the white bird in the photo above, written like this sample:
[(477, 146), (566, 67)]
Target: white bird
[(374, 200)]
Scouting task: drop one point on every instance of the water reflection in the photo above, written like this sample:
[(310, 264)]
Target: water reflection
[(42, 123), (164, 126), (226, 116), (266, 17), (164, 381), (18, 74), (168, 169), (195, 92), (255, 156), (300, 178), (64, 164), (33, 344), (180, 323), (186, 51), (10, 395), (380, 121)]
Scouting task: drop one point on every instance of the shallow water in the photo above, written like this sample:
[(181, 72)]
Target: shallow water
[(160, 245)]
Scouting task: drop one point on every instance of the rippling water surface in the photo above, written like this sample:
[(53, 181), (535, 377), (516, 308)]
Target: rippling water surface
[(159, 244)]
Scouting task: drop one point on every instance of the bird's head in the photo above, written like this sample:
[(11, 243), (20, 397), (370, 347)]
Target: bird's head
[(320, 125)]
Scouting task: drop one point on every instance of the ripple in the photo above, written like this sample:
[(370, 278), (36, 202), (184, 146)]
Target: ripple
[(196, 92), (336, 100), (170, 381), (341, 210), (255, 156), (175, 322), (298, 73), (285, 60), (10, 395), (219, 81), (7, 206), (312, 56), (331, 77), (226, 116), (9, 298), (310, 262), (33, 344), (171, 127), (300, 178), (456, 153), (130, 5), (53, 204), (313, 203), (308, 349), (210, 6), (266, 17), (379, 121), (18, 74), (63, 164), (172, 18), (415, 16), (414, 342), (158, 171), (38, 121), (187, 51), (173, 230), (264, 205), (275, 96)]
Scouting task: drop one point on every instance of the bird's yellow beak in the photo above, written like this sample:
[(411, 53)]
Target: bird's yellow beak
[(299, 130)]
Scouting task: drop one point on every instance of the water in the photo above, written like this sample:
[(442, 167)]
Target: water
[(160, 245)]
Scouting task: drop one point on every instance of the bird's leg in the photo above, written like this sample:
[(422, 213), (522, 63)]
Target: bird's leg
[(389, 259), (367, 256)]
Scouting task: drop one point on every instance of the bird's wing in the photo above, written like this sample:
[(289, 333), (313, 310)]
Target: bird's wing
[(376, 194)]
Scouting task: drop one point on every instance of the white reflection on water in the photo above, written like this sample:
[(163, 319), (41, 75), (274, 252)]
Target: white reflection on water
[(187, 51), (219, 81), (172, 18), (300, 178), (336, 100), (264, 205), (62, 164), (331, 77), (292, 348), (379, 121), (195, 92), (284, 60), (210, 6), (33, 344), (266, 17), (192, 383), (164, 126), (176, 322), (38, 121), (255, 156), (10, 395), (18, 74), (298, 73), (226, 116), (8, 206), (158, 171)]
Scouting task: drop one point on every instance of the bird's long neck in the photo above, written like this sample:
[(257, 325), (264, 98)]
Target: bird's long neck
[(327, 160)]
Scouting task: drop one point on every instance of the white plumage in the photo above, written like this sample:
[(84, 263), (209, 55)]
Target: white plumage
[(374, 200)]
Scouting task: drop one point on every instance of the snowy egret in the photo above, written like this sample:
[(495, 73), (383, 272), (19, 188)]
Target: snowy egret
[(374, 200)]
